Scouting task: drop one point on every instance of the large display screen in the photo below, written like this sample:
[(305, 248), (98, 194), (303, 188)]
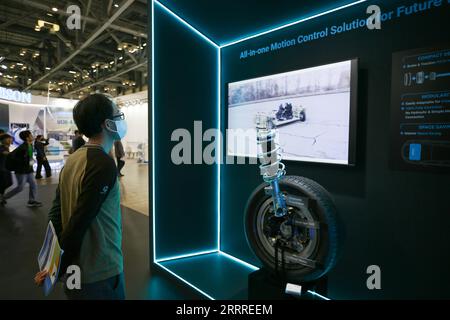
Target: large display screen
[(420, 109), (314, 110)]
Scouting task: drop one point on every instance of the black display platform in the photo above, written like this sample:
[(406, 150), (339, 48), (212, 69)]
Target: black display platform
[(266, 285)]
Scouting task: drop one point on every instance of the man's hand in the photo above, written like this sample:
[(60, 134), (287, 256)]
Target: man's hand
[(40, 277)]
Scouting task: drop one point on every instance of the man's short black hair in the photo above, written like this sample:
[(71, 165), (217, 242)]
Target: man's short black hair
[(4, 136), (39, 136), (2, 131), (76, 132), (24, 135), (91, 112)]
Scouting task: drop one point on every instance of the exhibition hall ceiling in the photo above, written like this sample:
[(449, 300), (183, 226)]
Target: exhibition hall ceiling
[(227, 21), (42, 45)]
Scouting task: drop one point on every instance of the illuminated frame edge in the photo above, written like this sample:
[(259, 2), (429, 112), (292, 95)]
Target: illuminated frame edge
[(219, 80)]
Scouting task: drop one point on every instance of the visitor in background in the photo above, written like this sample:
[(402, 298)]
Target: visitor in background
[(120, 154), (23, 159), (86, 211), (77, 141), (5, 175), (39, 148)]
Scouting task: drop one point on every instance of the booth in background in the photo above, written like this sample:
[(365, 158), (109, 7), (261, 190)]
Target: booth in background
[(135, 108)]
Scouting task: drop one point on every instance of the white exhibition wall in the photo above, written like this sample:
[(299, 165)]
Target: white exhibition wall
[(135, 108), (59, 117)]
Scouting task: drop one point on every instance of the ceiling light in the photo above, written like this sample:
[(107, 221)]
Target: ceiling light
[(49, 14), (47, 68), (116, 5), (19, 63), (4, 67), (54, 9), (1, 74), (73, 72), (144, 44), (2, 58)]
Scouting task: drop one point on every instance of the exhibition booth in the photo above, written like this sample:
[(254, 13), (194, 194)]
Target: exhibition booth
[(360, 110), (52, 118), (135, 108)]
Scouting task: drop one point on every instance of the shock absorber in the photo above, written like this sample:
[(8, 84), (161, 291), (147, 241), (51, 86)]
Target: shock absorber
[(269, 155)]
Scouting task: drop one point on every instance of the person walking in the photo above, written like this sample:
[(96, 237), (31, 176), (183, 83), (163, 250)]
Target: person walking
[(39, 148), (120, 154), (23, 159), (77, 142), (5, 175), (86, 211)]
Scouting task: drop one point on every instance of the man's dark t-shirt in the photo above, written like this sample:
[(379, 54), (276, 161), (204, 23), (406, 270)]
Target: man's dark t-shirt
[(39, 148), (23, 158), (77, 143)]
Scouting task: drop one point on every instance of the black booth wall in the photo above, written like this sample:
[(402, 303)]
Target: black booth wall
[(398, 220), (185, 86)]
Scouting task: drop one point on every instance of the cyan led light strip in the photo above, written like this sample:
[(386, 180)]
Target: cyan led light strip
[(201, 35), (318, 295), (219, 141), (153, 135), (219, 80), (186, 24), (189, 255), (246, 264), (292, 23), (187, 282)]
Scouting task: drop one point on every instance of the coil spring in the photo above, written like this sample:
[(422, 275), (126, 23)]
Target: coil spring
[(269, 154)]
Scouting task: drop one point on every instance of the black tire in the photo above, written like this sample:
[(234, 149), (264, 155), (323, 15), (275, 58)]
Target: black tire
[(326, 248), (302, 116)]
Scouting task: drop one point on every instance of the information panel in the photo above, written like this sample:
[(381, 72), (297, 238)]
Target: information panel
[(420, 109)]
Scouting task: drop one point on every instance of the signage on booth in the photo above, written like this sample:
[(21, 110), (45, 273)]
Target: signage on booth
[(15, 95)]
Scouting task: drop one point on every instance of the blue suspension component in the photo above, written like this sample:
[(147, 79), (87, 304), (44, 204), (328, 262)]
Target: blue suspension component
[(269, 155)]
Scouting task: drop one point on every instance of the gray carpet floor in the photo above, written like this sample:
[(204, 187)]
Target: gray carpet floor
[(21, 234)]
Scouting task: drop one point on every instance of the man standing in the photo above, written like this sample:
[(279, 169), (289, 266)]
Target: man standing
[(5, 175), (39, 148), (120, 154), (86, 211), (23, 158), (77, 141)]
